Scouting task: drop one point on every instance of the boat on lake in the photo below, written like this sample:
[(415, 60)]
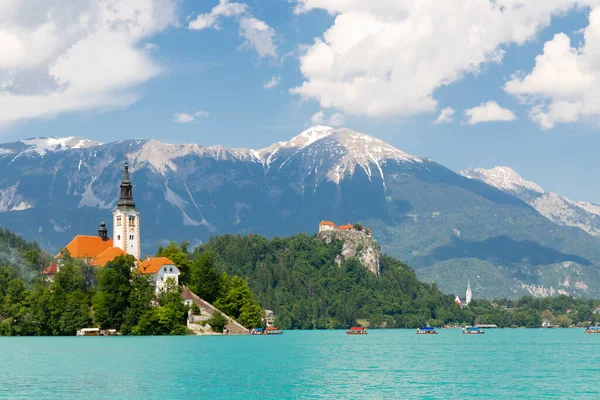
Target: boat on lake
[(426, 330), (593, 329), (88, 332), (357, 330), (472, 330), (272, 330)]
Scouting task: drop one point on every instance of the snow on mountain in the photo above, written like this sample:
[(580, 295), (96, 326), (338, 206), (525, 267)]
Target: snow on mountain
[(503, 178), (557, 208), (342, 150), (42, 145)]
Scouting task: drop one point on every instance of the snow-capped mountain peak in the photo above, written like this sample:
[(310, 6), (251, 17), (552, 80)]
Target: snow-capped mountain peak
[(557, 208), (304, 139), (43, 144), (503, 178)]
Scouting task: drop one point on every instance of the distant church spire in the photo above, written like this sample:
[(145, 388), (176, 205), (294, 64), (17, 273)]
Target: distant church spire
[(126, 198), (469, 294)]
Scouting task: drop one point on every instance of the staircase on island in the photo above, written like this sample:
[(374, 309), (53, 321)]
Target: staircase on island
[(206, 308)]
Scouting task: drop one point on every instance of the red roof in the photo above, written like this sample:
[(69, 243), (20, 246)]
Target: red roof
[(153, 265), (327, 223), (87, 246), (51, 270), (345, 227), (107, 256)]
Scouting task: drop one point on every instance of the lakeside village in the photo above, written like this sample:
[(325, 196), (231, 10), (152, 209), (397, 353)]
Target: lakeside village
[(162, 273)]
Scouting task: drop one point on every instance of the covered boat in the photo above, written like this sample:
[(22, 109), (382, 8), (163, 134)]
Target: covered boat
[(472, 330), (426, 330), (357, 330), (89, 332), (593, 329)]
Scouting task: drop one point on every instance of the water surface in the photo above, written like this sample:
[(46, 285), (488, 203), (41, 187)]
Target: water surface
[(504, 363)]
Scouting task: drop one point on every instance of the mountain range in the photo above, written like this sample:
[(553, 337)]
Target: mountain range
[(492, 227)]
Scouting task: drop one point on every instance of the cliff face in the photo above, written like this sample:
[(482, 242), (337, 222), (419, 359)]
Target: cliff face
[(358, 245)]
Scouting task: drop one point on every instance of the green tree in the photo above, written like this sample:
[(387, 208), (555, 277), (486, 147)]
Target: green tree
[(239, 303), (114, 289), (141, 297), (563, 321), (204, 280), (217, 321)]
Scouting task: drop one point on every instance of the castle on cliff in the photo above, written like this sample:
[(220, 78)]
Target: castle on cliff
[(328, 226)]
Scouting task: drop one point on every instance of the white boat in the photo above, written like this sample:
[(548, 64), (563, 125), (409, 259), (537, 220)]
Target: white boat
[(88, 332)]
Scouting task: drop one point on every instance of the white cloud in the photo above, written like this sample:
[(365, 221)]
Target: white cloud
[(387, 57), (225, 8), (564, 84), (335, 120), (445, 116), (257, 34), (273, 82), (62, 56), (488, 112), (185, 118)]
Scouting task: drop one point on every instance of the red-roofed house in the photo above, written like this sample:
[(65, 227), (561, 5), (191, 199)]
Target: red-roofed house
[(50, 271), (160, 269)]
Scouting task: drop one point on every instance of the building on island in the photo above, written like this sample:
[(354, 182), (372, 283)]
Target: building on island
[(328, 226), (464, 301), (160, 269), (99, 250), (269, 318)]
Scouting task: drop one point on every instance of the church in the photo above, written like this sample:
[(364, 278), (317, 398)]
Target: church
[(100, 249), (464, 301)]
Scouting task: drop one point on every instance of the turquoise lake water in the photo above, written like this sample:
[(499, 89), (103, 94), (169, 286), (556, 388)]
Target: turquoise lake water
[(504, 363)]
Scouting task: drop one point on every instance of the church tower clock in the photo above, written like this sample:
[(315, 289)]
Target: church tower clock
[(126, 219)]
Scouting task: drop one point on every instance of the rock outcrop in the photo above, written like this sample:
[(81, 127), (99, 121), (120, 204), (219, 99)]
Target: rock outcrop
[(357, 245)]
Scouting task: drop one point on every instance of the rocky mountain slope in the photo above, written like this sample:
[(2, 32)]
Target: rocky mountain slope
[(555, 207), (449, 227), (356, 245)]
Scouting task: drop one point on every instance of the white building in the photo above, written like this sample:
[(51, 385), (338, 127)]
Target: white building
[(326, 226), (126, 220), (464, 301), (160, 269)]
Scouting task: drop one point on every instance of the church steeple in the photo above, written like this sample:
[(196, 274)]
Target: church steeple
[(469, 294), (126, 219), (126, 198)]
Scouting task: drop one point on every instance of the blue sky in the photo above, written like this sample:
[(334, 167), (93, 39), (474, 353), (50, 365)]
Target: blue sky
[(166, 78)]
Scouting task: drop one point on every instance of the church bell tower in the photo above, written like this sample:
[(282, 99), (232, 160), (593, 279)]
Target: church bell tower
[(126, 219)]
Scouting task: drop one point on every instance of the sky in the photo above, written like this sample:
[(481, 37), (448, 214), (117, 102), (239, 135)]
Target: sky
[(467, 83)]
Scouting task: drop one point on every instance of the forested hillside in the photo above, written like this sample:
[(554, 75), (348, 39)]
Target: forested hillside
[(298, 278)]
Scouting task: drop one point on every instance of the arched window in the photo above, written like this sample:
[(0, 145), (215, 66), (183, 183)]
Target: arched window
[(131, 221), (118, 221)]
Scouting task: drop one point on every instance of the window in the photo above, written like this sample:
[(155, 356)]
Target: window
[(130, 237), (170, 269), (165, 269), (118, 221), (131, 221), (118, 237)]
